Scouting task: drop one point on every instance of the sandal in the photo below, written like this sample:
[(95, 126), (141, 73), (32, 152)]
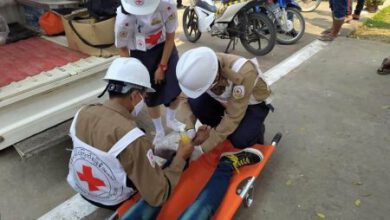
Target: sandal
[(384, 69), (326, 37), (327, 31), (356, 17), (348, 19)]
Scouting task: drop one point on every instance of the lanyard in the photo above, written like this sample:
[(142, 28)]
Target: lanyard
[(138, 26)]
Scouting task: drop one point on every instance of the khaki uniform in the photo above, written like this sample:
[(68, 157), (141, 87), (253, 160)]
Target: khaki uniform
[(102, 126), (235, 108)]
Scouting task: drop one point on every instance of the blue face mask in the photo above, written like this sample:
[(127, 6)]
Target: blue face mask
[(138, 107)]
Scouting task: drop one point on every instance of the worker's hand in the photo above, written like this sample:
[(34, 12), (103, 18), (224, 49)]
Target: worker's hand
[(185, 150), (159, 76), (201, 135)]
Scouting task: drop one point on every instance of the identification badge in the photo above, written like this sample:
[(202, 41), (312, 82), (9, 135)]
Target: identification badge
[(239, 92), (150, 157), (140, 42)]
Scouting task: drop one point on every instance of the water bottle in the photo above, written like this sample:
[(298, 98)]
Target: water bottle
[(185, 139)]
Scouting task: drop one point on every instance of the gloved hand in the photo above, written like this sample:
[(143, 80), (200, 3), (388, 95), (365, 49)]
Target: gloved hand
[(191, 133), (168, 146)]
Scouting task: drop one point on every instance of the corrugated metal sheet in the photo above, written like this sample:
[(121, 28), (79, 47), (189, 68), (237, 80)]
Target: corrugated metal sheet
[(30, 57)]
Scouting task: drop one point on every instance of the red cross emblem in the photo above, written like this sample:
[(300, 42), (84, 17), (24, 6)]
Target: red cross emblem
[(93, 183), (153, 38), (139, 2)]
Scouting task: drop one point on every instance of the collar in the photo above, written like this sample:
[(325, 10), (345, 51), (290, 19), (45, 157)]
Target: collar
[(118, 108), (226, 63)]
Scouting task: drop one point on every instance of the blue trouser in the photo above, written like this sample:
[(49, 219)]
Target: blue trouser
[(358, 8), (339, 8), (203, 207), (251, 128)]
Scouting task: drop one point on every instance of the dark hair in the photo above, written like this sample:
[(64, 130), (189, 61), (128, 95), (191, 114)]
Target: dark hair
[(123, 10)]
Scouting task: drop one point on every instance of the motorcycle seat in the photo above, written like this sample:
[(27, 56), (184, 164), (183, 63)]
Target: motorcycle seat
[(207, 6)]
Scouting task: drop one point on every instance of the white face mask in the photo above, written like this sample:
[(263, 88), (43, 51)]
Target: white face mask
[(138, 107)]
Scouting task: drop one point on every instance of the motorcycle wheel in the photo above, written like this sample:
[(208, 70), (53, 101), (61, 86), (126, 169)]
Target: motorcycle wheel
[(190, 25), (296, 34), (309, 5), (258, 30)]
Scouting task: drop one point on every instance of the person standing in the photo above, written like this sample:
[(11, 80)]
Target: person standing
[(356, 13), (179, 4), (339, 11), (145, 29)]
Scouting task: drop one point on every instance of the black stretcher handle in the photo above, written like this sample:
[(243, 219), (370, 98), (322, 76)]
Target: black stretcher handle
[(276, 139)]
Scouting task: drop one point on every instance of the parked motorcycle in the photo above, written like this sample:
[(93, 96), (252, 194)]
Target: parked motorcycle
[(309, 5), (231, 21), (289, 22)]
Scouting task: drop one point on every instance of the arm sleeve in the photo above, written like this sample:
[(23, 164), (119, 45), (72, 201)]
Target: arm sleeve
[(170, 16), (153, 183), (234, 112)]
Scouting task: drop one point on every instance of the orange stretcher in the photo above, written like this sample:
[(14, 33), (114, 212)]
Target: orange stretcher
[(196, 176)]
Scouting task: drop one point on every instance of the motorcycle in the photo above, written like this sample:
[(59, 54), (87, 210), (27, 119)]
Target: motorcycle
[(231, 21), (289, 22), (309, 5)]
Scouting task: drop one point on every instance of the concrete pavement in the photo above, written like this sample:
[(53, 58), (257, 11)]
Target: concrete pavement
[(334, 112)]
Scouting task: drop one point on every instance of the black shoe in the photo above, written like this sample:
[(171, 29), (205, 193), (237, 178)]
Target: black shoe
[(180, 6), (292, 33), (384, 69), (248, 156)]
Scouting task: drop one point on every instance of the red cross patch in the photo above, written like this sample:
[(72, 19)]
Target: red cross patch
[(93, 183), (153, 38), (139, 2)]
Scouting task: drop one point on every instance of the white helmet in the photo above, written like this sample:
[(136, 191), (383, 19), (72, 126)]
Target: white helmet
[(129, 70), (140, 7), (196, 71)]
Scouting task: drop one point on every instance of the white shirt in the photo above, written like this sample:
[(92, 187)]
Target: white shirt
[(152, 28)]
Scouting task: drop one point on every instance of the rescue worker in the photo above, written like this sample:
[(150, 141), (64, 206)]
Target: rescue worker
[(226, 92), (145, 29), (112, 158)]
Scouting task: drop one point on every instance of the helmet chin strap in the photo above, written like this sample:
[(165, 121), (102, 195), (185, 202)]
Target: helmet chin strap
[(123, 10), (117, 88), (104, 91)]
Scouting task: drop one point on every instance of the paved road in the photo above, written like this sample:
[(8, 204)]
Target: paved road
[(334, 112)]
